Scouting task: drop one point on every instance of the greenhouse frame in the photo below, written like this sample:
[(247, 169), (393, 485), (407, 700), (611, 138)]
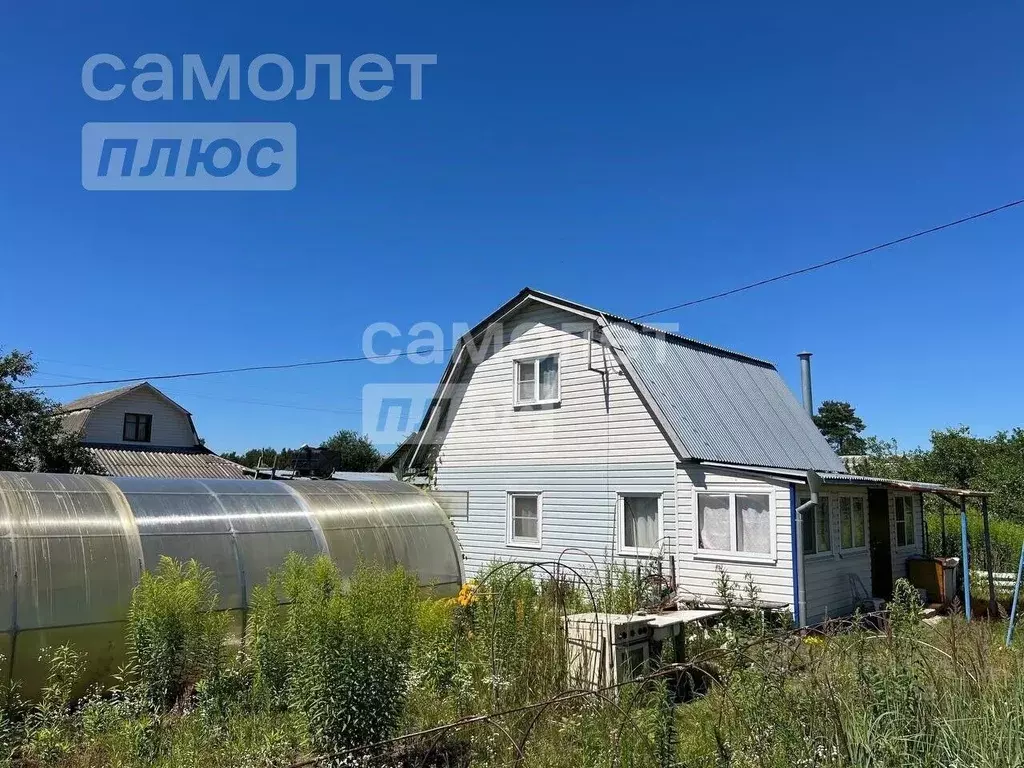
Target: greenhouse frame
[(73, 547)]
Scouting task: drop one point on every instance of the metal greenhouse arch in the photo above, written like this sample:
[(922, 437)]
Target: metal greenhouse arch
[(72, 548)]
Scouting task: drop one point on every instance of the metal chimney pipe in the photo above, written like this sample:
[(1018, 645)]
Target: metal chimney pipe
[(805, 379)]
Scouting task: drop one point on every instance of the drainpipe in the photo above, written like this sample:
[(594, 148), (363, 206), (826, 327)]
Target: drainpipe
[(814, 485), (805, 380)]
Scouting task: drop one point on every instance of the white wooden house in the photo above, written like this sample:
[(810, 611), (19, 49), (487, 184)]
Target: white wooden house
[(138, 431), (580, 435)]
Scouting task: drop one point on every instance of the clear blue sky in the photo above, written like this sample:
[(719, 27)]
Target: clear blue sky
[(625, 155)]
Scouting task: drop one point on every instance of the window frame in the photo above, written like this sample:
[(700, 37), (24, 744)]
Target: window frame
[(734, 555), (620, 524), (140, 419), (821, 554), (912, 542), (510, 538), (837, 500), (535, 360)]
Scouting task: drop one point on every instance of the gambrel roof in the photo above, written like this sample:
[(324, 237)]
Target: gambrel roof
[(711, 404)]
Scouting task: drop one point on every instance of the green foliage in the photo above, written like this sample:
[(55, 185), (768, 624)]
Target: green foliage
[(841, 426), (12, 715), (266, 642), (174, 636), (960, 459), (344, 451), (914, 695), (346, 662), (344, 648), (50, 727), (32, 438), (352, 452)]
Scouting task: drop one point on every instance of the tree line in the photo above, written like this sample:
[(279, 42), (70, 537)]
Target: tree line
[(954, 457), (344, 451)]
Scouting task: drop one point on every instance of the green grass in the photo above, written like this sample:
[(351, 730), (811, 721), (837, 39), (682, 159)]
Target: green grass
[(344, 663)]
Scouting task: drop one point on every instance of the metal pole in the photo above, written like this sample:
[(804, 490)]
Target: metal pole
[(993, 608), (942, 517), (1016, 593), (965, 561)]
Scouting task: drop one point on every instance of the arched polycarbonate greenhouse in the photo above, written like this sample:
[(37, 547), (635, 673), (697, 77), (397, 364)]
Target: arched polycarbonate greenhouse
[(72, 548)]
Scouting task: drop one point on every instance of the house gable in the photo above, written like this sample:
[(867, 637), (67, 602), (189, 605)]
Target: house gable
[(710, 404), (599, 413), (104, 421)]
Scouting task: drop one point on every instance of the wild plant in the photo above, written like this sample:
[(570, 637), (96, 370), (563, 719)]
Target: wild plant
[(175, 636), (347, 646)]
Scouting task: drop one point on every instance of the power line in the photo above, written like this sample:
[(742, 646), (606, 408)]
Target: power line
[(125, 371), (345, 412), (244, 369), (691, 303), (830, 262)]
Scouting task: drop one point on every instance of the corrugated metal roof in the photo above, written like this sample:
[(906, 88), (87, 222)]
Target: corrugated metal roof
[(96, 399), (118, 461), (722, 406), (528, 292), (906, 485)]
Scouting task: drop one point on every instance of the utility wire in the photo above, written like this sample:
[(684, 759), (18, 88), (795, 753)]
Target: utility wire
[(691, 303), (78, 381), (244, 369), (831, 262)]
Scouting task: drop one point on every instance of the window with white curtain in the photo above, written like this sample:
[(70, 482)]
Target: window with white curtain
[(734, 523), (524, 519), (639, 517), (536, 381), (852, 523)]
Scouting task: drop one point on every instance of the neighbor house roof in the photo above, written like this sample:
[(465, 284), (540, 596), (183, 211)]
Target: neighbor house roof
[(88, 402), (75, 413), (711, 403), (122, 461)]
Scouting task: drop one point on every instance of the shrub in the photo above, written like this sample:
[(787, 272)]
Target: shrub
[(12, 715), (175, 637), (341, 653), (50, 730), (266, 643)]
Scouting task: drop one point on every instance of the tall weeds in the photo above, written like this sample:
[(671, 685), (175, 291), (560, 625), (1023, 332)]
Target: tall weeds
[(339, 657), (175, 637)]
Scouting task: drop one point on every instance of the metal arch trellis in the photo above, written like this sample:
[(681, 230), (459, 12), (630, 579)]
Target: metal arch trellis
[(524, 568)]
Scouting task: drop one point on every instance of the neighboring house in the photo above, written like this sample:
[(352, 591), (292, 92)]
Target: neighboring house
[(580, 436), (138, 431)]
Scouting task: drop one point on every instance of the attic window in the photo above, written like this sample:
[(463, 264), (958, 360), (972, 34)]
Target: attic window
[(138, 427), (536, 381)]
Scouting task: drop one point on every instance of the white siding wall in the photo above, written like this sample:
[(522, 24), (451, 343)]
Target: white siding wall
[(601, 441), (698, 573), (835, 581), (170, 424), (900, 554), (598, 442)]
